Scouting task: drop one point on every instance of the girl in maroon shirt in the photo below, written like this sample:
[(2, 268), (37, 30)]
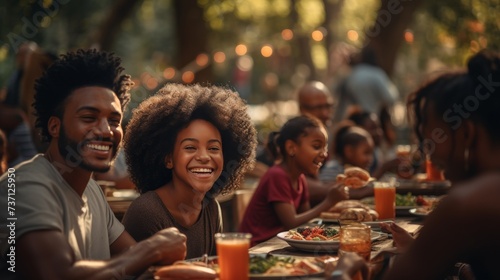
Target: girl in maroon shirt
[(281, 200)]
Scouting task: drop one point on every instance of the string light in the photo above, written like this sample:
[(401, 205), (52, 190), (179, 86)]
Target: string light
[(352, 35), (241, 49), (266, 51), (188, 77), (169, 73), (287, 34), (202, 59), (409, 37), (219, 57), (317, 35)]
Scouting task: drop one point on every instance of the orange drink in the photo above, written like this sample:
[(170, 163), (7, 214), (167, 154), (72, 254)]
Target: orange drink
[(357, 239), (433, 174), (361, 246), (232, 252), (385, 200)]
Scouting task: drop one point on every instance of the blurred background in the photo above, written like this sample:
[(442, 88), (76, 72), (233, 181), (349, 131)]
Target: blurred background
[(264, 49)]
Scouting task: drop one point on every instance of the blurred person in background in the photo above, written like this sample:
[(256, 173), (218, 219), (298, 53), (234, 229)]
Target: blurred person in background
[(20, 145), (384, 154), (315, 99), (3, 152), (368, 87)]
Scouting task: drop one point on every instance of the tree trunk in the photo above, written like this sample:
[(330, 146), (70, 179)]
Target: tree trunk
[(302, 42), (106, 35), (192, 34), (387, 33), (332, 15)]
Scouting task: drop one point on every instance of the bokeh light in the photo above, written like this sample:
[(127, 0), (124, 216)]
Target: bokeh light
[(169, 73), (409, 37), (287, 34), (266, 51), (219, 57), (352, 35), (202, 59), (241, 49), (244, 63), (317, 35), (188, 77)]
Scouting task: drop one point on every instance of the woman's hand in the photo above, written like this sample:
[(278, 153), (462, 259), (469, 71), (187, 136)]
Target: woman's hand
[(401, 237)]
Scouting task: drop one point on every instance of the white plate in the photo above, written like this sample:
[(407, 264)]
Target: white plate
[(316, 246), (416, 213)]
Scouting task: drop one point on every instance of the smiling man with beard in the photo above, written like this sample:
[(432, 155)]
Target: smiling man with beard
[(59, 225)]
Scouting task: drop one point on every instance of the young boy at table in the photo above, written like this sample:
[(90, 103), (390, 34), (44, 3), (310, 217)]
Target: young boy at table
[(60, 225), (184, 146), (281, 200)]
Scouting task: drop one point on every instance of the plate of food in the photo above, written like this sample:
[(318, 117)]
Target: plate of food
[(405, 202), (421, 211), (261, 267), (316, 239)]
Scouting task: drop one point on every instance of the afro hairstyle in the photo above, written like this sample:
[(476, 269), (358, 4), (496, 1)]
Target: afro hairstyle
[(151, 133)]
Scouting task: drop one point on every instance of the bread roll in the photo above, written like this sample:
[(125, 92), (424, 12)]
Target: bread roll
[(329, 215), (354, 182), (344, 204), (374, 214), (357, 172), (355, 214)]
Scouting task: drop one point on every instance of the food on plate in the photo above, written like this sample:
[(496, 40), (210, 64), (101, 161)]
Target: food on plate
[(186, 270), (358, 215), (357, 172), (354, 177), (274, 265), (317, 233), (350, 210), (345, 204), (427, 208), (411, 200)]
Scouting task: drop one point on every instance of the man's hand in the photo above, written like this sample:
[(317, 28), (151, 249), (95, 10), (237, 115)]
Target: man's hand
[(171, 243)]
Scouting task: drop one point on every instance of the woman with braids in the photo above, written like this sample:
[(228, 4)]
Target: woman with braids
[(281, 200), (63, 226), (184, 146), (456, 118)]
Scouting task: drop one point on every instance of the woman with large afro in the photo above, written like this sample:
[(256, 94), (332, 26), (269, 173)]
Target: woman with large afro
[(184, 146)]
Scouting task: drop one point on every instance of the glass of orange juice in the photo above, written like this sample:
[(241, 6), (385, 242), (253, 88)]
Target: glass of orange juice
[(232, 252), (433, 174), (385, 199), (356, 238)]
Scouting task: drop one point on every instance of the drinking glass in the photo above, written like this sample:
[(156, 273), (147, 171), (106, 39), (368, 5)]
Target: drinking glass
[(232, 252), (357, 239), (385, 199), (433, 174)]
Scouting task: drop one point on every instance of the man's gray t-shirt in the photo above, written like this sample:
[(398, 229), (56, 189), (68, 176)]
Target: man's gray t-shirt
[(45, 201)]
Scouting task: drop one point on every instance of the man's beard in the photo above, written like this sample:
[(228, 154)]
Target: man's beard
[(71, 149)]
